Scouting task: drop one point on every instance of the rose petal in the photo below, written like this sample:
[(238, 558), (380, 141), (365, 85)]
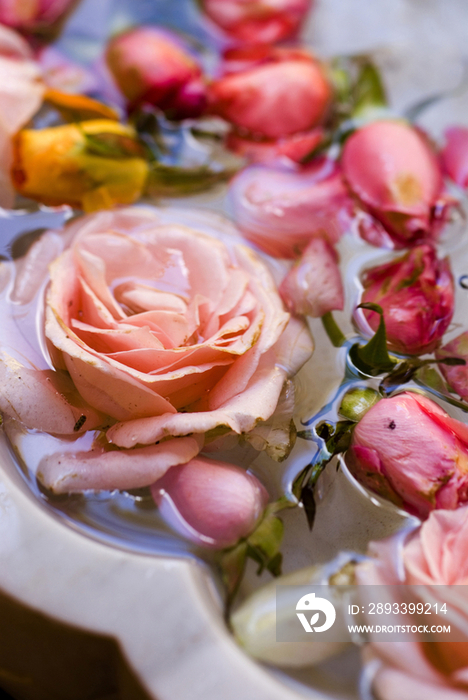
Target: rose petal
[(119, 469)]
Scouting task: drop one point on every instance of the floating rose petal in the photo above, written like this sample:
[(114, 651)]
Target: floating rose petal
[(455, 155)]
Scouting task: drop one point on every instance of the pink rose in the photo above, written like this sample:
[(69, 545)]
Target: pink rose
[(142, 334), (408, 450), (209, 502), (33, 15), (433, 555), (281, 209), (313, 286), (275, 94), (455, 155), (153, 66), (457, 375), (416, 293), (393, 172), (21, 93), (257, 21)]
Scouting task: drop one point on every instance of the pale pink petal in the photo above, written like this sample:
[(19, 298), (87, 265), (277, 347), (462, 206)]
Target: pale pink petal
[(240, 414), (118, 469), (455, 155), (391, 684), (44, 400), (294, 347), (32, 269), (313, 286)]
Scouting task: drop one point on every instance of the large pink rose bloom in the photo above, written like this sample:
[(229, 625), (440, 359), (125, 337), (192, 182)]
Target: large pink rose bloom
[(394, 173), (433, 555), (416, 293), (273, 94), (151, 65), (410, 451), (167, 351), (31, 15), (281, 209), (257, 21)]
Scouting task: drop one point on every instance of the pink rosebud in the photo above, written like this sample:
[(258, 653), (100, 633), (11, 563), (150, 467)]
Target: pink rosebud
[(211, 503), (32, 15), (416, 293), (257, 21), (408, 450), (313, 285), (455, 155), (434, 555), (295, 147), (283, 93), (281, 209), (457, 375), (394, 173), (153, 66)]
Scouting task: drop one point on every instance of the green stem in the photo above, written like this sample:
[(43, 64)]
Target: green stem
[(333, 330)]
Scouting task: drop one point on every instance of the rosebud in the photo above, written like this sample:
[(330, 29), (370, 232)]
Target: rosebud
[(281, 209), (94, 164), (409, 451), (455, 155), (276, 94), (416, 293), (313, 286), (257, 21), (394, 173), (212, 503), (456, 375), (153, 66), (33, 15)]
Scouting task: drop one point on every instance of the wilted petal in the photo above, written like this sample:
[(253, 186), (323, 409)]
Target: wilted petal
[(455, 155), (281, 209), (313, 286), (69, 472), (44, 399), (456, 376)]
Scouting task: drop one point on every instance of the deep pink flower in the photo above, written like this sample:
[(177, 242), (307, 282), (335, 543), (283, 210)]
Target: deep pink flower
[(433, 555), (416, 293), (408, 450), (394, 173), (295, 147), (280, 209), (277, 94), (455, 155), (153, 66), (257, 21), (456, 376), (313, 285), (31, 15), (211, 503)]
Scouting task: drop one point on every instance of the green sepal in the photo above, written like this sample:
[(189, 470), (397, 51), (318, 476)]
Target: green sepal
[(110, 145), (173, 181), (373, 358)]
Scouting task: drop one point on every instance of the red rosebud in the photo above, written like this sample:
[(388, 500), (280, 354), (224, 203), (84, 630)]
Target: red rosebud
[(211, 503), (313, 285), (416, 293), (32, 15), (153, 66), (455, 155), (394, 173), (277, 94), (257, 21), (282, 209), (408, 450)]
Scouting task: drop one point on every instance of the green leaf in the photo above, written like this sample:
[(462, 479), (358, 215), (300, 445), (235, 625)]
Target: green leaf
[(109, 145), (170, 181), (373, 358), (368, 91), (333, 330)]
